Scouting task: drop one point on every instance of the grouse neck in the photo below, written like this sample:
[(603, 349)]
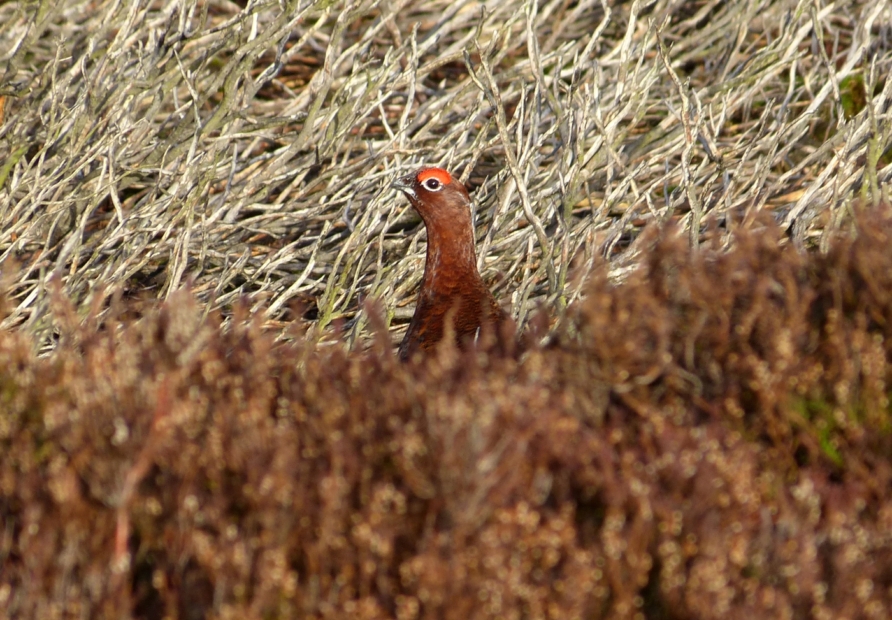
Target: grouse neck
[(451, 260)]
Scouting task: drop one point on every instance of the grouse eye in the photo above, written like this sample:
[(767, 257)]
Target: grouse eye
[(433, 185)]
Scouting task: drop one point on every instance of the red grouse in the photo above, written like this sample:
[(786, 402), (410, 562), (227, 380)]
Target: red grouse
[(452, 289)]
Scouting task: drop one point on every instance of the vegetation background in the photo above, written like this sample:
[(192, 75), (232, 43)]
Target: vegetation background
[(698, 434)]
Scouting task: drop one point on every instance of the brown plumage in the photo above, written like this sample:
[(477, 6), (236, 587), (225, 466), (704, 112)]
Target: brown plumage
[(452, 286)]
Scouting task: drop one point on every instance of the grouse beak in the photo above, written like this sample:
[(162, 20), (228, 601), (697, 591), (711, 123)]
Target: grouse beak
[(405, 184)]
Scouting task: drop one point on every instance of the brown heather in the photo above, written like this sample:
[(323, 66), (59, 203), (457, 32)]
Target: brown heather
[(709, 439)]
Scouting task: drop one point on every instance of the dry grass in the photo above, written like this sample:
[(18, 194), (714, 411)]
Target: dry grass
[(247, 150)]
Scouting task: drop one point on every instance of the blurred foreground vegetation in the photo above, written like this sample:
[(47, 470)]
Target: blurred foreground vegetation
[(709, 439)]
